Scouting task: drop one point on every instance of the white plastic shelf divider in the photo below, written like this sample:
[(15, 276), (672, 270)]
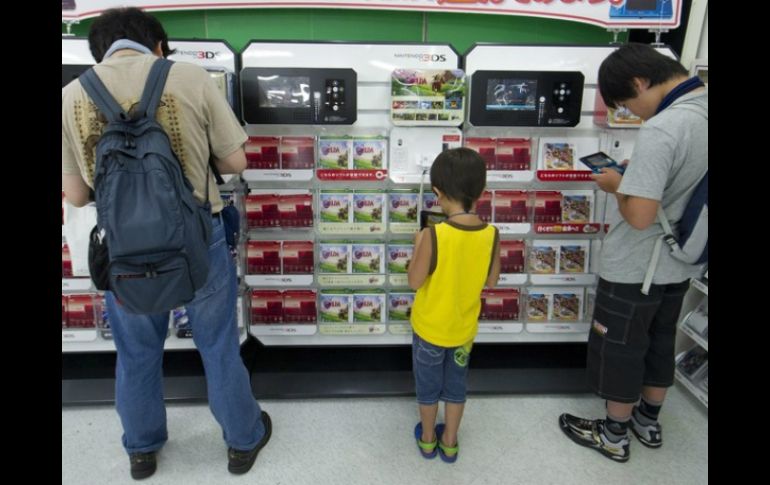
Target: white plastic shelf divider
[(108, 345), (390, 339), (699, 393), (704, 288), (693, 335)]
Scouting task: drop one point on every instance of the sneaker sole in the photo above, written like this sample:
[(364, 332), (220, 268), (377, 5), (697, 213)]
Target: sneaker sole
[(239, 470), (644, 441), (567, 431), (143, 474)]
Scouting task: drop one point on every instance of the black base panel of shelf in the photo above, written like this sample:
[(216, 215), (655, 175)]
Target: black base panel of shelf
[(303, 385), (102, 391), (312, 372), (89, 378)]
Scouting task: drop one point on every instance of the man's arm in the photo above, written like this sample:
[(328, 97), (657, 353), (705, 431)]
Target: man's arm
[(639, 212), (226, 136), (233, 163), (75, 189)]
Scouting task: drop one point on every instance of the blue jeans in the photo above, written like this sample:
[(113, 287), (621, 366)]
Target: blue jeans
[(439, 372), (139, 374)]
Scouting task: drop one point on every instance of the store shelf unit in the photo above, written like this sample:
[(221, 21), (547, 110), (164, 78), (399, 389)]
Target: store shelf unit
[(411, 149), (700, 394), (692, 341)]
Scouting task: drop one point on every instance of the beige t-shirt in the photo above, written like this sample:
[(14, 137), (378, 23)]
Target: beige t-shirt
[(192, 111)]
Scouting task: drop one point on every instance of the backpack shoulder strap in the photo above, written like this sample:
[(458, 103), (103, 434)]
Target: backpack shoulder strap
[(153, 88), (668, 234), (99, 94), (668, 238)]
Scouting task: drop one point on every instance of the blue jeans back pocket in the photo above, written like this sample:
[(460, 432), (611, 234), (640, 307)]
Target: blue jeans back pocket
[(428, 354)]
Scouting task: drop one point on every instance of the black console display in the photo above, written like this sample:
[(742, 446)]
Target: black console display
[(311, 96), (526, 98)]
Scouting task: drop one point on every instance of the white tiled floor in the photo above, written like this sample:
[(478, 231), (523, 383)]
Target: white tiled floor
[(504, 440)]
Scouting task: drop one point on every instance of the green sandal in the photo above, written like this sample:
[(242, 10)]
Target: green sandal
[(443, 449), (427, 450)]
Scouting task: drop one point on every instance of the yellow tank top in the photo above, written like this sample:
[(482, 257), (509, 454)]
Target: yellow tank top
[(446, 307)]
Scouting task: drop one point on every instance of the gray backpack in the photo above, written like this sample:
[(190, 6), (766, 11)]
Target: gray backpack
[(157, 234)]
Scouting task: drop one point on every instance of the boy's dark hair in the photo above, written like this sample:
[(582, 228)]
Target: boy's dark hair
[(617, 72), (461, 174), (126, 23)]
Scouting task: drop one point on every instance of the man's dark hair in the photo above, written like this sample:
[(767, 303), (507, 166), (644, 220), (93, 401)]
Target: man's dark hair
[(126, 23), (461, 174), (617, 72)]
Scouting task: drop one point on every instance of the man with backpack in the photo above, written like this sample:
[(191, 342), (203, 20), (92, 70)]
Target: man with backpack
[(139, 131), (644, 274)]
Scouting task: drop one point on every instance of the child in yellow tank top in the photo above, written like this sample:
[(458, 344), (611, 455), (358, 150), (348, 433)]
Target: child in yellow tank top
[(452, 263)]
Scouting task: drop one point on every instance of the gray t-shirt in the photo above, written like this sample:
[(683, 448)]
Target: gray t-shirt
[(670, 157)]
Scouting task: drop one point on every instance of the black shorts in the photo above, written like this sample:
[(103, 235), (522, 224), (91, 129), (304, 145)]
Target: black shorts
[(631, 341)]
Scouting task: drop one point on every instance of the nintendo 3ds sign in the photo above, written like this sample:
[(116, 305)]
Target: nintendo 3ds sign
[(661, 14)]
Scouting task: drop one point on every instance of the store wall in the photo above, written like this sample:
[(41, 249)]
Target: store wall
[(461, 30), (703, 48)]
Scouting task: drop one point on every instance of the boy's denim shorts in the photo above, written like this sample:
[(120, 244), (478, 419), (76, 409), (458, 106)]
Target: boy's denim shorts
[(439, 372)]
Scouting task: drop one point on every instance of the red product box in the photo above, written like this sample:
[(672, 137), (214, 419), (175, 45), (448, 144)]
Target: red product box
[(484, 206), (299, 306), (484, 147), (263, 257), (100, 308), (297, 257), (513, 154), (548, 206), (511, 206), (499, 305), (297, 152), (266, 306), (512, 256), (66, 262), (296, 210), (262, 211), (262, 152), (80, 311), (63, 311)]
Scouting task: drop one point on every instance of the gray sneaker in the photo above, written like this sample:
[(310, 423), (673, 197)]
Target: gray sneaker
[(590, 433), (648, 434)]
